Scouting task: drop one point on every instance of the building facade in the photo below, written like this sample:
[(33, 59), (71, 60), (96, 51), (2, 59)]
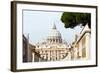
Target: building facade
[(54, 48), (81, 46), (29, 52)]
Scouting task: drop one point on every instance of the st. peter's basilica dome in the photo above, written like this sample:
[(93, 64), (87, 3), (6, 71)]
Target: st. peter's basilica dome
[(54, 36)]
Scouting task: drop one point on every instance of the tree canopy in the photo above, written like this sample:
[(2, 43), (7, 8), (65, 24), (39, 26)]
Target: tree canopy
[(71, 19)]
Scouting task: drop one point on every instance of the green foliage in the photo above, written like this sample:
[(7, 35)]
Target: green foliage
[(71, 19)]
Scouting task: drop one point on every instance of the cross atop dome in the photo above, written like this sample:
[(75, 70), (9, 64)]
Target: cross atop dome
[(54, 26)]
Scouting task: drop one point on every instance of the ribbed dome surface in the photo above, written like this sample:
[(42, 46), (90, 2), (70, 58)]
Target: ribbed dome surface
[(54, 35)]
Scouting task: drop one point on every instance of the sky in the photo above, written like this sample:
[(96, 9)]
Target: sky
[(39, 23)]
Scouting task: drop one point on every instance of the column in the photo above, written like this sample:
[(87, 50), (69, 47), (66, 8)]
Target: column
[(87, 45), (80, 49)]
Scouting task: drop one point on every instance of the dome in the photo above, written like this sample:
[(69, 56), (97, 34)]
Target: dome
[(54, 35)]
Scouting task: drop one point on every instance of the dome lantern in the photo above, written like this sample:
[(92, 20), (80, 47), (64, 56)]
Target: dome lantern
[(54, 26)]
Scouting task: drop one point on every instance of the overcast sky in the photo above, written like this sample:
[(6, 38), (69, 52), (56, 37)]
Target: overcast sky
[(39, 23)]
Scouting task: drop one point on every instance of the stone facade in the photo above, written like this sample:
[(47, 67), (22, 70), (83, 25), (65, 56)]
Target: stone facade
[(82, 44), (27, 53), (54, 48)]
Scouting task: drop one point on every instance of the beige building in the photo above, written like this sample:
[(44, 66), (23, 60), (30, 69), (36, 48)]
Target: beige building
[(54, 48), (81, 46)]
